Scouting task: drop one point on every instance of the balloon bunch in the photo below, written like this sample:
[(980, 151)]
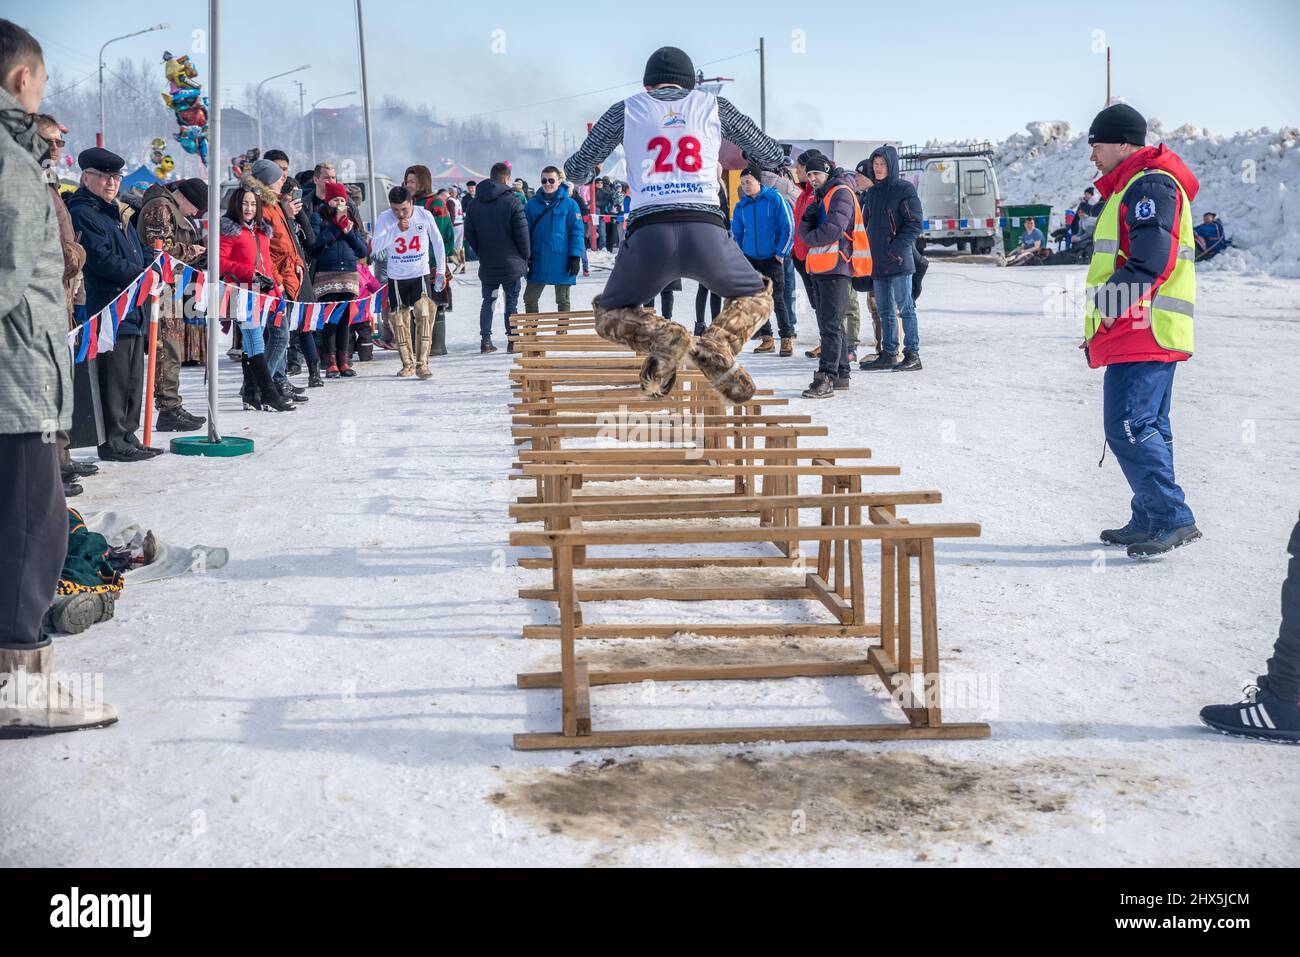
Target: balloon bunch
[(187, 101), (163, 164)]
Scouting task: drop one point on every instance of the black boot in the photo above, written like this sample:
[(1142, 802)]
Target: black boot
[(250, 393), (823, 387), (272, 401), (314, 381), (911, 361), (439, 334)]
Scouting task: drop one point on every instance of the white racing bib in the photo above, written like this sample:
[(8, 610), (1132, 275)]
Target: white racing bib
[(408, 251), (672, 149)]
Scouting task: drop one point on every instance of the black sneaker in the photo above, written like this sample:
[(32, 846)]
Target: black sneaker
[(1128, 535), (911, 362), (128, 454), (1163, 540), (823, 387), (881, 363), (196, 419), (486, 346), (81, 469), (71, 488), (842, 383), (1260, 715), (148, 450), (175, 420)]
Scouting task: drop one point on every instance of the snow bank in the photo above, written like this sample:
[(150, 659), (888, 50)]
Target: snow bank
[(1251, 179)]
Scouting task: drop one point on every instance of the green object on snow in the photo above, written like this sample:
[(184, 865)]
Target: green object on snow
[(199, 445)]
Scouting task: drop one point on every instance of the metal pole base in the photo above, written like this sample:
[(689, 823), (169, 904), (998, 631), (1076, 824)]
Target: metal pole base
[(226, 447)]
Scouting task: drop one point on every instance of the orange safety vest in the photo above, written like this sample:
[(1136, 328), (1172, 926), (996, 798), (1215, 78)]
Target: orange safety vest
[(825, 258)]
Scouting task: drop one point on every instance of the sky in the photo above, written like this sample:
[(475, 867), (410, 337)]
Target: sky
[(939, 70)]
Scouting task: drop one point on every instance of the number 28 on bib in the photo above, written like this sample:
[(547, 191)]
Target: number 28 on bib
[(672, 149)]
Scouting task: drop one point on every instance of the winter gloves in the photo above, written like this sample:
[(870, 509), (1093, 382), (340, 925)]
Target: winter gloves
[(575, 265)]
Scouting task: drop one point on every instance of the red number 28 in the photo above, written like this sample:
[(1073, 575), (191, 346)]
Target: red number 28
[(688, 154)]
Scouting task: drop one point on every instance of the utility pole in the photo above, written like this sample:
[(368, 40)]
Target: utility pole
[(1108, 76), (762, 85)]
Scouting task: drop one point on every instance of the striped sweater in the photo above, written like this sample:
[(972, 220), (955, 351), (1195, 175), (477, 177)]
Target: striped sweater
[(757, 146)]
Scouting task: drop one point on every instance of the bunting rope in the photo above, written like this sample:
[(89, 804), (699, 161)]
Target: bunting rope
[(98, 333)]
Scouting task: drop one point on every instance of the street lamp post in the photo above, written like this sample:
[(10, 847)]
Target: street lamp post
[(102, 111), (332, 96), (297, 69), (365, 113)]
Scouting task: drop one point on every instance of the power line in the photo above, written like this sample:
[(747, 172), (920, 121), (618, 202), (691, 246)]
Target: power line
[(575, 96), (70, 86)]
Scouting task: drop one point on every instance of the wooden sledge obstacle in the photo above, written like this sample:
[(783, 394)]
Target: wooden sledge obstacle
[(917, 695), (566, 384)]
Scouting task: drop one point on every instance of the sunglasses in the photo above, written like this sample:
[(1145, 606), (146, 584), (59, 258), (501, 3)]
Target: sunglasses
[(547, 181), (58, 142), (100, 172)]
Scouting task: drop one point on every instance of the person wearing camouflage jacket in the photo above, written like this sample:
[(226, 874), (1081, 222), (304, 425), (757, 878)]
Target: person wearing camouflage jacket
[(165, 217)]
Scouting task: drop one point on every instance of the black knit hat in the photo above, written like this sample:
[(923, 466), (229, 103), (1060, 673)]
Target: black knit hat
[(816, 163), (1118, 123), (803, 158), (753, 171), (669, 65), (196, 191)]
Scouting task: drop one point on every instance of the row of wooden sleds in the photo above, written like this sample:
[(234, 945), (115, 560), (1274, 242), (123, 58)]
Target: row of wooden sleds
[(612, 482)]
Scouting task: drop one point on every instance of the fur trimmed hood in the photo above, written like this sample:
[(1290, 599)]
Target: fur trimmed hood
[(231, 228)]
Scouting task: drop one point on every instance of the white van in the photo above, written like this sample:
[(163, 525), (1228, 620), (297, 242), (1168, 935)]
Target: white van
[(959, 195)]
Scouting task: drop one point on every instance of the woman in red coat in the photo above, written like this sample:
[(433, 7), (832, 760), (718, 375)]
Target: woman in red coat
[(246, 260)]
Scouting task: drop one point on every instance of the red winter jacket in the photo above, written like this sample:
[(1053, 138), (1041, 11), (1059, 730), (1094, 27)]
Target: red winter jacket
[(807, 196), (1148, 252), (245, 250)]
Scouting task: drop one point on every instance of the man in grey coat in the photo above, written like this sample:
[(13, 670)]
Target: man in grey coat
[(35, 402)]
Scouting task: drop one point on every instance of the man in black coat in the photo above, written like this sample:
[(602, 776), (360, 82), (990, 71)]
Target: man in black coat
[(115, 257), (892, 216), (497, 229)]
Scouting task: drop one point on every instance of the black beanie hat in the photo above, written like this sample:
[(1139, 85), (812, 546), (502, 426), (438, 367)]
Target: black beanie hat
[(1118, 123), (196, 191), (816, 163), (669, 65), (803, 158)]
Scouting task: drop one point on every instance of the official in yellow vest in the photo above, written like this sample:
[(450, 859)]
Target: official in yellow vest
[(1139, 308)]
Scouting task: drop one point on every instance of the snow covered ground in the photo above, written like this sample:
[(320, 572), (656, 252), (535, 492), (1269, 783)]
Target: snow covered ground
[(343, 691)]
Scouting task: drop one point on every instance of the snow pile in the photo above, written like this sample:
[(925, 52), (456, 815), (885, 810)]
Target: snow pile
[(1251, 179)]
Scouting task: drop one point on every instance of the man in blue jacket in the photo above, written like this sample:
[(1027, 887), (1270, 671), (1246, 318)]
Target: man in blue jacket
[(763, 228), (892, 215), (555, 232), (115, 257), (1210, 237)]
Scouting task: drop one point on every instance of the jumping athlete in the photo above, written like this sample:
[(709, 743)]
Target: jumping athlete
[(671, 135), (406, 233)]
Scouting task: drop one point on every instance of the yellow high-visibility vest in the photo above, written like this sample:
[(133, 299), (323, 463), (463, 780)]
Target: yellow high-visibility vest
[(1173, 303)]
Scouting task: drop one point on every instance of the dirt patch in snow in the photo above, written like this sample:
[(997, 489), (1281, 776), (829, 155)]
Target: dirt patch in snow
[(752, 803)]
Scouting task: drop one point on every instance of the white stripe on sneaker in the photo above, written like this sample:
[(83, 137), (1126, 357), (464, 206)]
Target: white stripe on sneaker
[(1267, 720), (1245, 718)]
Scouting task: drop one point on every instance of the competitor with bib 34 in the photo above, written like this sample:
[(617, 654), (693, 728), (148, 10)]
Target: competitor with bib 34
[(1139, 309)]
